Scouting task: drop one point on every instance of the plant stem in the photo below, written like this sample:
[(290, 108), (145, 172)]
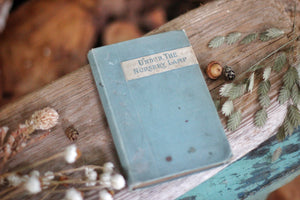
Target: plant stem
[(77, 169), (48, 193), (273, 52), (34, 164)]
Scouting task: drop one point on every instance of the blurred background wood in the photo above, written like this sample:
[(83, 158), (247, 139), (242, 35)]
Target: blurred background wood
[(46, 39)]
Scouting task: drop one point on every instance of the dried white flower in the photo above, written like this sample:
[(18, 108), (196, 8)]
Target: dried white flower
[(108, 167), (33, 185), (43, 119), (91, 176), (71, 154), (105, 179), (105, 195), (117, 181), (73, 194), (14, 180), (46, 180)]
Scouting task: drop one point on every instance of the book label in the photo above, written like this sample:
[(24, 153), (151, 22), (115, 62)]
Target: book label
[(158, 63)]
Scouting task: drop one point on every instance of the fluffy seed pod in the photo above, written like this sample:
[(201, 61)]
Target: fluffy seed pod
[(43, 119), (214, 70)]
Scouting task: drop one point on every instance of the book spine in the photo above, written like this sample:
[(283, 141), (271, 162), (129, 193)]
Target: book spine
[(117, 138)]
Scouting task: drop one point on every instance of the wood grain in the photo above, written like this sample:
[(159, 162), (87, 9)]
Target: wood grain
[(76, 100)]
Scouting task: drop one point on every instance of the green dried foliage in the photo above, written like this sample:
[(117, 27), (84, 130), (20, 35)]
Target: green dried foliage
[(264, 87), (217, 104), (280, 134), (225, 89), (233, 38), (274, 32), (261, 117), (276, 154), (234, 121), (251, 82), (264, 37), (294, 115), (290, 77), (288, 127), (284, 95), (227, 108), (279, 62), (216, 42), (295, 96), (249, 38), (267, 73), (237, 91), (264, 101)]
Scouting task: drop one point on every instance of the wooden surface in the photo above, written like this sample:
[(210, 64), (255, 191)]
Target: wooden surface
[(76, 100), (255, 175)]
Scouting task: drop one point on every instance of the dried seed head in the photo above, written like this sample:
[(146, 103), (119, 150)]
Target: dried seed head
[(33, 185), (117, 181), (108, 167), (71, 153), (105, 195), (91, 176), (73, 194), (43, 119), (71, 133)]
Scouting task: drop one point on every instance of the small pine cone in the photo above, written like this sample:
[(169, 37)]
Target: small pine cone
[(43, 119), (71, 133), (229, 73)]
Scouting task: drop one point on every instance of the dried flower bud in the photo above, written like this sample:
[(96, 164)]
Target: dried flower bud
[(105, 180), (108, 167), (71, 153), (117, 181), (34, 173), (33, 185), (105, 195), (91, 176), (73, 194), (43, 119), (14, 180)]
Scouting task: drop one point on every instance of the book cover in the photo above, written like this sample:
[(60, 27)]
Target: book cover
[(160, 113)]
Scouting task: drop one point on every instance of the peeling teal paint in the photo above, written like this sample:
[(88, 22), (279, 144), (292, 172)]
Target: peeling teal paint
[(254, 175)]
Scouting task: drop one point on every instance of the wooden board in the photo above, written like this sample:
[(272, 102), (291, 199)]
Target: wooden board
[(76, 100)]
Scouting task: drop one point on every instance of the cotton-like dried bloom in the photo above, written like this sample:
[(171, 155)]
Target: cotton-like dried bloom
[(43, 119), (71, 153), (46, 180), (14, 180), (73, 194), (105, 180), (108, 167), (105, 195), (33, 185), (91, 176), (117, 181)]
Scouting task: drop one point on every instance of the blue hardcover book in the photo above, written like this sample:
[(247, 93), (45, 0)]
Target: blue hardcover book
[(161, 116)]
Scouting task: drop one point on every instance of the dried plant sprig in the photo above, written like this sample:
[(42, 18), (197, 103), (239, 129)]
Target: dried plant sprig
[(225, 89), (284, 95), (237, 91), (17, 140), (267, 73), (274, 32), (290, 77), (264, 87), (249, 38), (279, 62), (227, 108), (232, 38), (264, 101), (261, 117), (276, 154), (251, 83), (234, 120), (216, 42)]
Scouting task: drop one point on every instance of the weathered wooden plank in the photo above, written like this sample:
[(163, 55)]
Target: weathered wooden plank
[(255, 175), (76, 99)]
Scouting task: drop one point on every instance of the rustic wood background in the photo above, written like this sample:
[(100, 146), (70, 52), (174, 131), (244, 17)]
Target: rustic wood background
[(75, 97)]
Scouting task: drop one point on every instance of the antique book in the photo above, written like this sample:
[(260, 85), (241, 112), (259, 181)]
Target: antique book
[(160, 113)]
